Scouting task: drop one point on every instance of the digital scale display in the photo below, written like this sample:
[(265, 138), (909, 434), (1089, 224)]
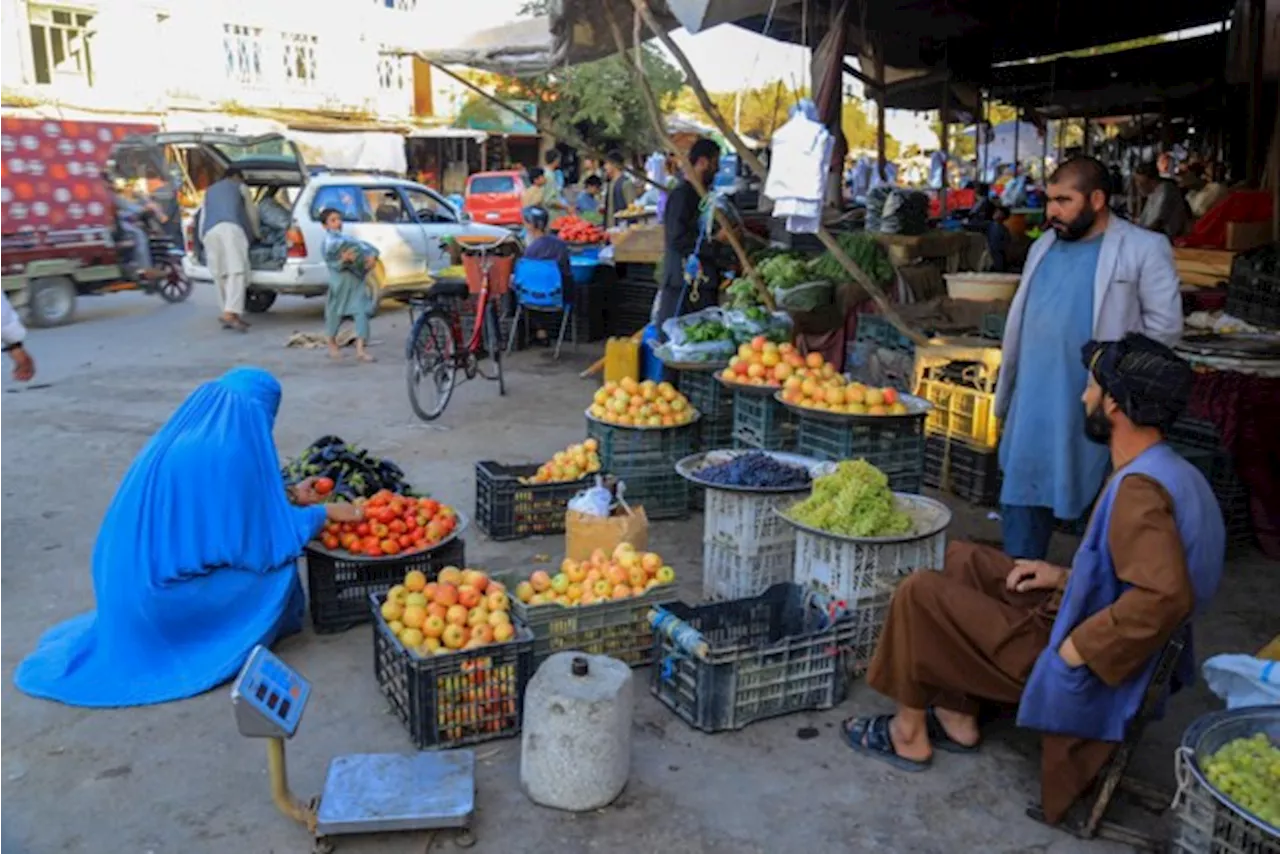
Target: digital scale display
[(268, 696)]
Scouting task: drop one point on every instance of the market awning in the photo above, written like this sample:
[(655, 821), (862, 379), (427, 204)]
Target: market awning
[(449, 133), (1123, 82)]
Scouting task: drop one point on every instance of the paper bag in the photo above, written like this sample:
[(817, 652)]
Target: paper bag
[(584, 533)]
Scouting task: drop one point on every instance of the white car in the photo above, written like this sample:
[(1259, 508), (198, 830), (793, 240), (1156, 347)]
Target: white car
[(406, 221)]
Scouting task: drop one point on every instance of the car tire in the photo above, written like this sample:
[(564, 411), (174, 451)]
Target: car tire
[(51, 301), (258, 301)]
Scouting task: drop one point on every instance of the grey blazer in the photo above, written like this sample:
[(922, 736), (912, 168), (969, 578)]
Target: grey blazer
[(1134, 290)]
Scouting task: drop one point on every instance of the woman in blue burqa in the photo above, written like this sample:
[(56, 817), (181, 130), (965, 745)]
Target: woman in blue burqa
[(195, 561)]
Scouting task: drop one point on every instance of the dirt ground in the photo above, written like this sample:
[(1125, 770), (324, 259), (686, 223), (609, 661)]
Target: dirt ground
[(178, 777)]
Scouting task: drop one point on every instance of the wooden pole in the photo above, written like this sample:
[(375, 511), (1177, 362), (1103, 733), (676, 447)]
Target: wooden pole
[(1255, 144), (881, 95), (946, 143), (747, 156), (1017, 126)]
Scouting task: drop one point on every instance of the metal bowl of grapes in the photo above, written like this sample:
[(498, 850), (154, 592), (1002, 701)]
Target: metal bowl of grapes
[(759, 472)]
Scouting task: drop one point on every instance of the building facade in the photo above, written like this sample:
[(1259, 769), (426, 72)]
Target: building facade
[(157, 55)]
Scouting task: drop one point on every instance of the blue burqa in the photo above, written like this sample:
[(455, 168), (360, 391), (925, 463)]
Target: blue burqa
[(194, 563)]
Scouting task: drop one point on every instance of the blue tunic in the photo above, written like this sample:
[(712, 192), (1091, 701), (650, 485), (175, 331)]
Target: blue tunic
[(1046, 457)]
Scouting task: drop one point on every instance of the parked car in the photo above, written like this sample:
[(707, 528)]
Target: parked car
[(494, 197), (406, 221)]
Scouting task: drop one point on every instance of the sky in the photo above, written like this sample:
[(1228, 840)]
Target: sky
[(752, 60)]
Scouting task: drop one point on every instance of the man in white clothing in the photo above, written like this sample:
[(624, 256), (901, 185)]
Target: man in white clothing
[(14, 334), (225, 226)]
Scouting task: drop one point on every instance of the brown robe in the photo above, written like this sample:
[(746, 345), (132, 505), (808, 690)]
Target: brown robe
[(958, 637)]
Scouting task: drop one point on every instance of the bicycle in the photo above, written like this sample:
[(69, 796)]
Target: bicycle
[(435, 351)]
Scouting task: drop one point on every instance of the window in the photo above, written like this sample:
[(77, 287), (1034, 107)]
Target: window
[(429, 208), (60, 44), (242, 52), (393, 71), (492, 184), (350, 201), (387, 206), (298, 51)]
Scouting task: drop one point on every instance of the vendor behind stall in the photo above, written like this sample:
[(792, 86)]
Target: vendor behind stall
[(543, 246), (690, 278)]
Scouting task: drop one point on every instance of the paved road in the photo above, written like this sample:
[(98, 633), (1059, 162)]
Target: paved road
[(178, 777)]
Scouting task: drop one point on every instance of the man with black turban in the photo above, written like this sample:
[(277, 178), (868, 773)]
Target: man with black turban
[(1074, 648)]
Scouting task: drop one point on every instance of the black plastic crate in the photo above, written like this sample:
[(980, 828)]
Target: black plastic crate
[(636, 272), (662, 492), (630, 446), (507, 509), (616, 628), (1254, 291), (992, 326), (893, 444), (972, 473), (715, 402), (768, 655), (339, 587), (762, 423), (873, 327), (629, 306), (456, 698)]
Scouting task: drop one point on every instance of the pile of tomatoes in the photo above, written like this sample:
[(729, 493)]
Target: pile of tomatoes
[(392, 525), (574, 229)]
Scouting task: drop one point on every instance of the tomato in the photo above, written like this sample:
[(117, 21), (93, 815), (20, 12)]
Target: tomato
[(330, 542), (434, 530), (396, 506), (420, 542), (420, 521), (429, 507), (348, 540), (362, 529), (405, 541), (369, 543), (390, 547), (373, 551), (323, 485), (397, 526), (449, 523), (383, 515), (379, 530)]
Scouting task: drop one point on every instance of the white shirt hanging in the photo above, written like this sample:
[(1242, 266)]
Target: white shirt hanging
[(798, 168)]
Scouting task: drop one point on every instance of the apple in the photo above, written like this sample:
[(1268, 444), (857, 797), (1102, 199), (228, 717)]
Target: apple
[(411, 638), (433, 628), (415, 580), (453, 637), (498, 618), (450, 575), (497, 601), (637, 576), (560, 583), (392, 611), (477, 616), (431, 644), (397, 594), (396, 627), (418, 599), (446, 594), (524, 591), (468, 596), (503, 632), (482, 634), (665, 574), (475, 578), (414, 616), (650, 562), (602, 588), (540, 581), (457, 615)]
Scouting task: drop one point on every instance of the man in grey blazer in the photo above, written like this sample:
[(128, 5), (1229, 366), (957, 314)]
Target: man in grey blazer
[(1091, 276)]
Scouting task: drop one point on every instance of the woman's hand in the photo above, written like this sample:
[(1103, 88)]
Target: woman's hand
[(340, 511), (303, 493)]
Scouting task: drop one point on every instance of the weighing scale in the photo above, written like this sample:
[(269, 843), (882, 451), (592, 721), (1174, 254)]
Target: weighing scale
[(364, 792)]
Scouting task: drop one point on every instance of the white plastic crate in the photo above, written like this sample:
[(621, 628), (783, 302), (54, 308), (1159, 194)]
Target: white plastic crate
[(746, 523), (854, 571), (727, 574)]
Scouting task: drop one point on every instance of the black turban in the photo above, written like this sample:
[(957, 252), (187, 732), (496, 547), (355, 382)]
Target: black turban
[(1148, 381)]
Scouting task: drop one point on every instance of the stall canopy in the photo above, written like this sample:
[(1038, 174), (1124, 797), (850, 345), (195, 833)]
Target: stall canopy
[(1126, 82)]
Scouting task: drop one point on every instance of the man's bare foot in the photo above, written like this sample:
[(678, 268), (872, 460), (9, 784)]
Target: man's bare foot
[(365, 357), (334, 353), (960, 728)]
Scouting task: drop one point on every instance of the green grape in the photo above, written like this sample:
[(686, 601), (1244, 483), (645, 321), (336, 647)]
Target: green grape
[(854, 501), (1247, 770)]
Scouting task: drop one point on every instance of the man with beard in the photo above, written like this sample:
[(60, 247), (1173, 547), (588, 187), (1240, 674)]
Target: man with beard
[(1073, 648), (1091, 276)]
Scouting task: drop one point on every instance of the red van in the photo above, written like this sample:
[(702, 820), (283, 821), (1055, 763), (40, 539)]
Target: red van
[(493, 198)]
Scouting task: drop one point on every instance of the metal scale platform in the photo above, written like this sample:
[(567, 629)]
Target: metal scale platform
[(364, 792)]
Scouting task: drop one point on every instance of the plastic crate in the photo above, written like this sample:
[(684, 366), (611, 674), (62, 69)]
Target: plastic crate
[(629, 306), (709, 396), (746, 523), (992, 326), (971, 473), (1253, 294), (618, 629), (646, 461), (728, 574), (848, 570), (964, 373), (895, 445), (458, 698), (507, 509), (1205, 822), (873, 327), (961, 413), (761, 422), (338, 588), (768, 656)]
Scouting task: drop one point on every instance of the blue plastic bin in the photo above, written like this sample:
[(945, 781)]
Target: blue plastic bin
[(583, 268)]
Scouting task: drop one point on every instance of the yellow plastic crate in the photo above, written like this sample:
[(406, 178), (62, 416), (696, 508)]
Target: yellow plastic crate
[(961, 413)]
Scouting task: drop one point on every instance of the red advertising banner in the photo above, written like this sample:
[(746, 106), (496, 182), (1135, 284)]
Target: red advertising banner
[(51, 172)]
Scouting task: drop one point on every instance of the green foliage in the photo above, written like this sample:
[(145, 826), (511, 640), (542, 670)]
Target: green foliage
[(859, 128), (784, 271), (855, 501), (864, 250)]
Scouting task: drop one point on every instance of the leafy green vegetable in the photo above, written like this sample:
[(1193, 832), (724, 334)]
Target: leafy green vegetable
[(784, 271), (706, 330), (864, 250)]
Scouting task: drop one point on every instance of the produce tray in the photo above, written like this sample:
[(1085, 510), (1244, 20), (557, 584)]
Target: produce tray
[(507, 509), (762, 423), (971, 473), (748, 389), (338, 588), (618, 628), (697, 416), (1206, 819), (895, 445), (768, 655), (456, 534), (460, 698), (690, 466), (916, 408)]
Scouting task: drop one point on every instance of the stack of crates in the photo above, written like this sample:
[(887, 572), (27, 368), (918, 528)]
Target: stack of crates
[(1201, 442), (630, 302), (715, 429), (963, 430), (878, 343), (761, 423), (746, 545), (645, 460), (1254, 292), (893, 444)]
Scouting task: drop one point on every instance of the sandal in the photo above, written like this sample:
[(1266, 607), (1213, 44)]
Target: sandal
[(939, 738), (874, 731)]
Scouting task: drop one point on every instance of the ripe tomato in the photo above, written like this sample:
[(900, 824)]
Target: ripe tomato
[(330, 542), (390, 547), (363, 529), (405, 541), (348, 539), (429, 507), (435, 530), (373, 551), (448, 523), (370, 543), (383, 515), (323, 485), (379, 530), (420, 521), (397, 526)]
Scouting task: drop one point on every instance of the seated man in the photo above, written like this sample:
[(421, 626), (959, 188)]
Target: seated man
[(543, 246), (1074, 648)]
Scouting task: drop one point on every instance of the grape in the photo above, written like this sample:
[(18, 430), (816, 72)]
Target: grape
[(755, 469), (855, 501), (1247, 771)]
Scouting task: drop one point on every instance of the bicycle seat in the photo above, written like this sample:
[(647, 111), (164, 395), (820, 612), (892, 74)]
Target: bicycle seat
[(449, 288)]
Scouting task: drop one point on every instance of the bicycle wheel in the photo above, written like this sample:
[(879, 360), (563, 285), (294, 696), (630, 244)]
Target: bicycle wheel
[(489, 359), (430, 368)]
